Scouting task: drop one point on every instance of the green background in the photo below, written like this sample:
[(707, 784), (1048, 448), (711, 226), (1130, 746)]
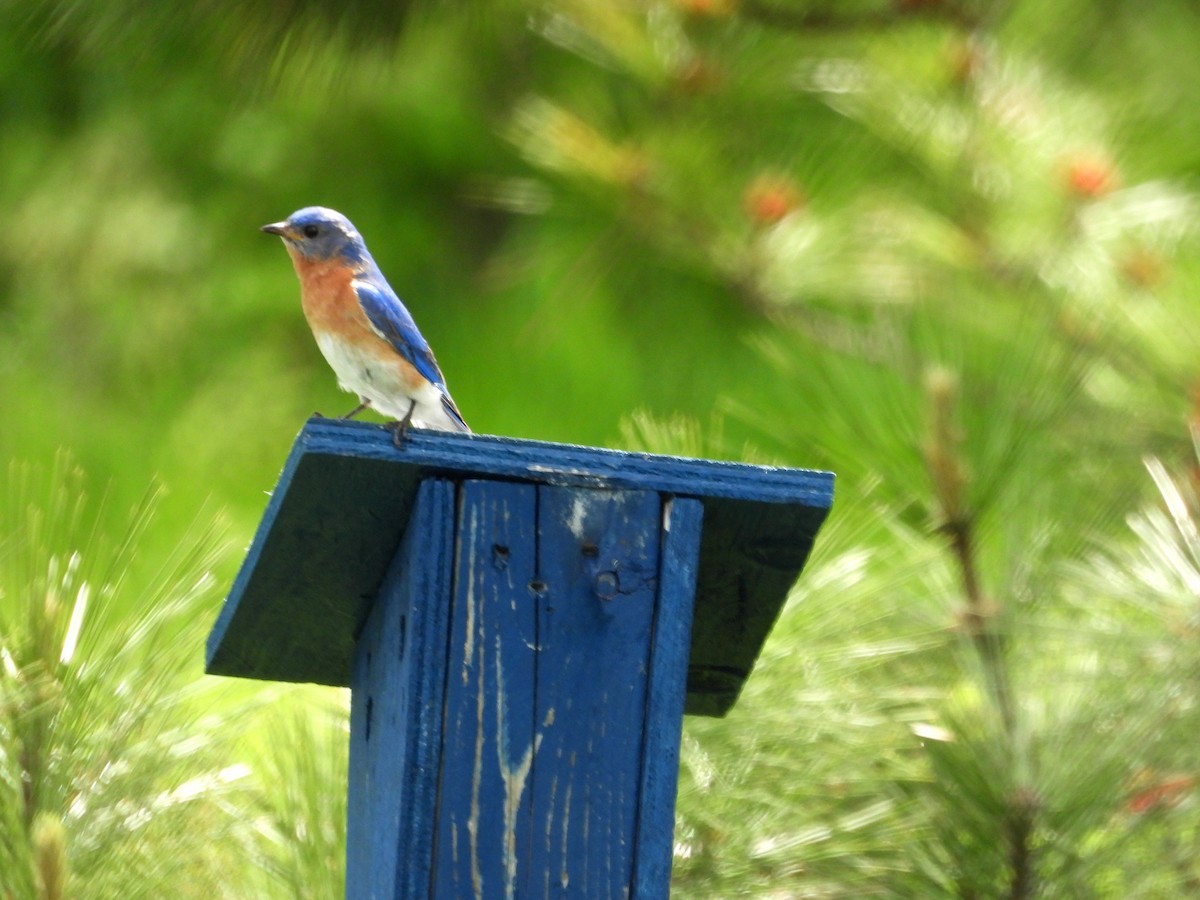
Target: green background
[(948, 250)]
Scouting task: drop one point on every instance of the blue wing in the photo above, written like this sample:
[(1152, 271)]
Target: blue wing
[(396, 324)]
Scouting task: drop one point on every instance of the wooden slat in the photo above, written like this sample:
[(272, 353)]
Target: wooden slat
[(598, 557), (396, 710), (490, 728), (655, 835), (490, 456)]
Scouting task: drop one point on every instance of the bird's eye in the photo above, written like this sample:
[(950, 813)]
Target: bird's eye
[(311, 231)]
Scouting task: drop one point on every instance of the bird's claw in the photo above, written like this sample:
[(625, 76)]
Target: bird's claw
[(400, 428), (399, 435)]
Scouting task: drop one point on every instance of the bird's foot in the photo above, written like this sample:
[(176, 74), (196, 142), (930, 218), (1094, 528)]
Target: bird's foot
[(400, 428), (354, 412)]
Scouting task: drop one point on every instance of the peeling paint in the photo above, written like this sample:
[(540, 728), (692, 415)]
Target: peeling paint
[(564, 877), (472, 543), (476, 781), (578, 513), (515, 778)]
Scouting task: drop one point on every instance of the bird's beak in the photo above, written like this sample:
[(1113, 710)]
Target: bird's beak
[(280, 228)]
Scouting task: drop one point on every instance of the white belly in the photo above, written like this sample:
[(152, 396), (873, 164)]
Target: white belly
[(381, 383)]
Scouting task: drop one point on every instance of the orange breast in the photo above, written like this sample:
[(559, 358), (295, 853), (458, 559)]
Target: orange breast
[(333, 312), (326, 295)]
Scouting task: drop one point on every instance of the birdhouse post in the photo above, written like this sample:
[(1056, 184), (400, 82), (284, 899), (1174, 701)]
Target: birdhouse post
[(522, 626)]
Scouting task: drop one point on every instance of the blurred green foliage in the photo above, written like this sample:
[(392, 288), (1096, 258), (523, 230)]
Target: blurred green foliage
[(946, 248)]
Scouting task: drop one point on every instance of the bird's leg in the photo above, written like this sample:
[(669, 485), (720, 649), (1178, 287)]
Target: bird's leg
[(400, 427), (354, 412)]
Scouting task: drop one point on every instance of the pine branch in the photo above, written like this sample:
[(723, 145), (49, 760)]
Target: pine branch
[(949, 478), (1020, 853), (949, 483)]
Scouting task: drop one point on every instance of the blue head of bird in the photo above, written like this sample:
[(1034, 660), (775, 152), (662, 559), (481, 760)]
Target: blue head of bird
[(316, 234)]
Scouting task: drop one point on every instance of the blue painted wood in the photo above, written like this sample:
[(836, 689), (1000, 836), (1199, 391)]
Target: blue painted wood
[(598, 556), (490, 728), (490, 456), (682, 522), (325, 540), (552, 662), (337, 514), (396, 709), (523, 626)]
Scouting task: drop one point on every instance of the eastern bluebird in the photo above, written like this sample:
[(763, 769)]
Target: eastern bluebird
[(364, 332)]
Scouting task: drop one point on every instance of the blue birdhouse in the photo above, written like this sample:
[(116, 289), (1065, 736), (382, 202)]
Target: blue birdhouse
[(522, 626)]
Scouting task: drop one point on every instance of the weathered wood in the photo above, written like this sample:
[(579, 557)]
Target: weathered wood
[(483, 820), (598, 557), (552, 634), (338, 512), (522, 626), (396, 710), (655, 836)]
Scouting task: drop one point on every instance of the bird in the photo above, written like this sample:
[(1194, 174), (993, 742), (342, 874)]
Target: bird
[(362, 328)]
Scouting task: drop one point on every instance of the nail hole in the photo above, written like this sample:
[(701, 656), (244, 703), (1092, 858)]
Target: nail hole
[(500, 556)]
